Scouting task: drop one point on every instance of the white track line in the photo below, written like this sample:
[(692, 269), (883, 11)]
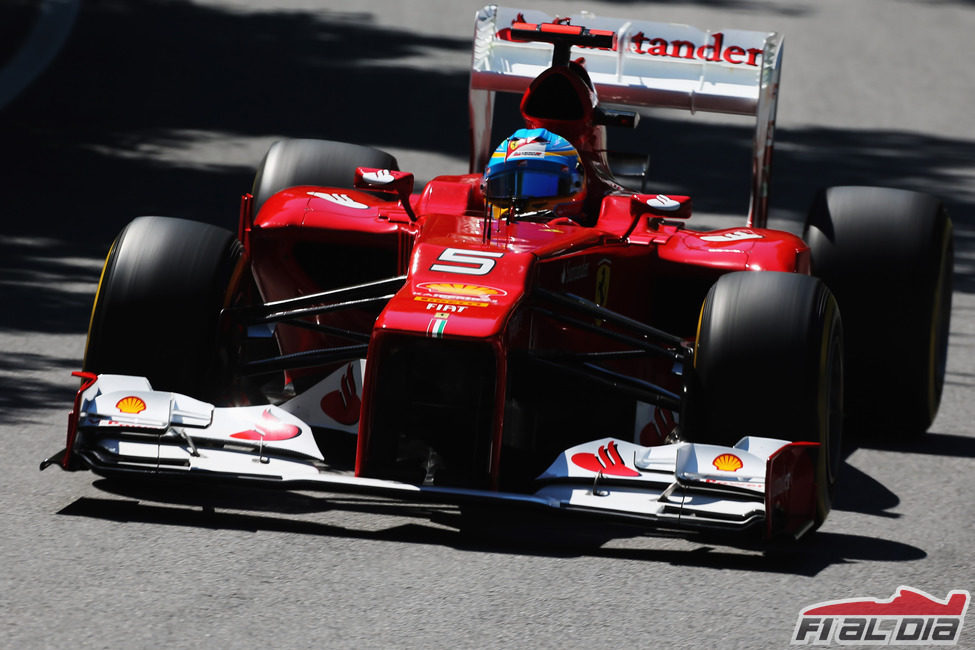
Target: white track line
[(54, 22)]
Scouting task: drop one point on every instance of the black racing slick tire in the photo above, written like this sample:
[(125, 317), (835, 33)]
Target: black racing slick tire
[(324, 163), (158, 305), (768, 362), (887, 256)]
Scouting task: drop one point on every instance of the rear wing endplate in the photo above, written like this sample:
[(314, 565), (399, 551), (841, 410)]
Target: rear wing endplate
[(649, 65)]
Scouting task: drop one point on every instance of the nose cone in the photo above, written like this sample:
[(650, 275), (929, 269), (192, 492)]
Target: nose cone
[(452, 291)]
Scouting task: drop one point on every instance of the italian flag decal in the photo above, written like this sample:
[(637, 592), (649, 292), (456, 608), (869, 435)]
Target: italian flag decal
[(437, 324)]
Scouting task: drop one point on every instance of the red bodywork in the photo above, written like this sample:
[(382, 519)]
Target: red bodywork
[(445, 359)]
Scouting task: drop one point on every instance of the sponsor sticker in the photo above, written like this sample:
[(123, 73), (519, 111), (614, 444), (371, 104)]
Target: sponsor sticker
[(664, 203), (343, 405), (606, 461), (653, 424), (459, 289), (446, 307), (737, 235), (910, 617), (714, 51), (759, 487), (571, 273), (457, 293), (437, 325), (269, 429), (343, 200), (727, 463), (378, 176), (439, 300), (525, 148), (130, 404)]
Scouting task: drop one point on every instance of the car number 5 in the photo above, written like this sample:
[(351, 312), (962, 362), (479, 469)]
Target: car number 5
[(466, 262)]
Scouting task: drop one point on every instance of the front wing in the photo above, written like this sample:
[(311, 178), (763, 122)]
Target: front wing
[(121, 426)]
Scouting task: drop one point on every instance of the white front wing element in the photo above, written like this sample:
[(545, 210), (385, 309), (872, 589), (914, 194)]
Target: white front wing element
[(684, 484), (125, 427), (121, 417)]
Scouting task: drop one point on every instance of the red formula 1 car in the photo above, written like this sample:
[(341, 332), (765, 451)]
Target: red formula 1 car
[(530, 333)]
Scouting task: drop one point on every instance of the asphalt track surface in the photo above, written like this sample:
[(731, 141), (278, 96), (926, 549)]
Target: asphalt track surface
[(164, 107)]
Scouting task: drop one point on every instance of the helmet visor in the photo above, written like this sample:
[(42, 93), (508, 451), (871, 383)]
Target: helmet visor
[(519, 181)]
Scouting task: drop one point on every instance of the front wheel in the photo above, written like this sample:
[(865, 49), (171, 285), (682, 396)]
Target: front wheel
[(158, 304), (769, 362)]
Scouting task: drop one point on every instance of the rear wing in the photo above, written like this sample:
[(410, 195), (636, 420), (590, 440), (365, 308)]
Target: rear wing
[(649, 65)]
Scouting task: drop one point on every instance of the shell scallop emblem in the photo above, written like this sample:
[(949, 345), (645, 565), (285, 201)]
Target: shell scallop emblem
[(130, 404), (728, 463), (458, 289)]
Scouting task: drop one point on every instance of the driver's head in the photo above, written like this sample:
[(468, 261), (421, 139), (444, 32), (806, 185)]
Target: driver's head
[(535, 170)]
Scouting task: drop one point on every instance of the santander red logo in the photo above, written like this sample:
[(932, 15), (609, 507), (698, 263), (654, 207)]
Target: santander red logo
[(640, 43), (606, 461), (270, 428), (343, 405), (715, 51)]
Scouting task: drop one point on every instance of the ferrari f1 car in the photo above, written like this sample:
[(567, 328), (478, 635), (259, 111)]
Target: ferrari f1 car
[(530, 333)]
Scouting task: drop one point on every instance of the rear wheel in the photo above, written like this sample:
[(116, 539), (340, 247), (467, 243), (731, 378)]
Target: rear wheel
[(769, 362), (157, 308), (289, 163), (887, 256)]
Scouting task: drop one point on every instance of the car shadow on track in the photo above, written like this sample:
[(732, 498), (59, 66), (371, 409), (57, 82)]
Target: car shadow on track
[(937, 444), (508, 531), (861, 493)]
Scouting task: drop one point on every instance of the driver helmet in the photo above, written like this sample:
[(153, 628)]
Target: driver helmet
[(535, 170)]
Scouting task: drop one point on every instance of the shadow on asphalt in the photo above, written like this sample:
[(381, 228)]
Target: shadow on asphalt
[(859, 492), (508, 531)]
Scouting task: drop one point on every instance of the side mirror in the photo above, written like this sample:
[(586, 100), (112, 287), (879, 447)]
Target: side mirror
[(663, 206), (612, 117), (389, 182)]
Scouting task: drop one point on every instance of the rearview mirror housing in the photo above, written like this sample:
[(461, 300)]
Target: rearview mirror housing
[(387, 181), (663, 206)]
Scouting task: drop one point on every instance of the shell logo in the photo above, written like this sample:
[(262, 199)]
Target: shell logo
[(458, 289), (728, 463), (130, 404)]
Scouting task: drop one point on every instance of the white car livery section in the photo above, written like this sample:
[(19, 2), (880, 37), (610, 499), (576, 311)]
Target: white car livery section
[(334, 402), (122, 416), (738, 235), (379, 176), (340, 199)]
